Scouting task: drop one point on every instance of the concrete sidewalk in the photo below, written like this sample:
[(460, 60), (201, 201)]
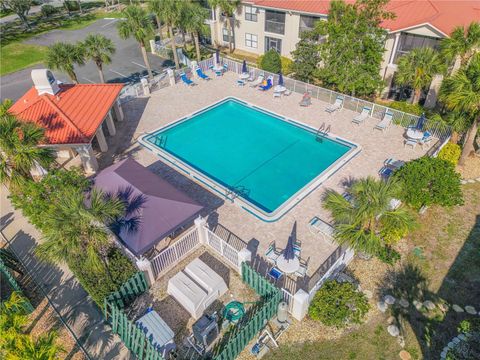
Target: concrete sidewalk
[(72, 302)]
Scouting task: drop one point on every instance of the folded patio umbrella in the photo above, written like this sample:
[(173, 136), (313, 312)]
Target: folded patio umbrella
[(289, 252), (421, 121), (217, 56), (244, 67), (280, 79)]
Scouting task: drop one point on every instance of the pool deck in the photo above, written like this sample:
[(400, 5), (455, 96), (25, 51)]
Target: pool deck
[(171, 103)]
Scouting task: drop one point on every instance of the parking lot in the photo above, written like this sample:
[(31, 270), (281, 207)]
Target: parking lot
[(127, 63)]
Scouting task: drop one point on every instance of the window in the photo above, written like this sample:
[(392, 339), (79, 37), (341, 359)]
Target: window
[(273, 43), (225, 35), (275, 22), (250, 13), (408, 42), (251, 41), (307, 23)]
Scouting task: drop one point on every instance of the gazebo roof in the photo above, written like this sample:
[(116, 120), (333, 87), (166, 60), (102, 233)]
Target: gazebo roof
[(166, 208)]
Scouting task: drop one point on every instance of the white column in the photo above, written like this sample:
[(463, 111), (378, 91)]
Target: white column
[(395, 46), (89, 161), (110, 124), (171, 77), (145, 86), (101, 139), (300, 304), (201, 225), (244, 255), (193, 66), (143, 264), (152, 46), (433, 91), (118, 111)]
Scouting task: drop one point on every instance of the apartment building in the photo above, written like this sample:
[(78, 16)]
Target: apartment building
[(261, 25)]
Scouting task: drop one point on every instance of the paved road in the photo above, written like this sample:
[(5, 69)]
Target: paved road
[(127, 63)]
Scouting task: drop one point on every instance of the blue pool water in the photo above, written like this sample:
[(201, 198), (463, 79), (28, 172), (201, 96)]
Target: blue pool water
[(266, 160)]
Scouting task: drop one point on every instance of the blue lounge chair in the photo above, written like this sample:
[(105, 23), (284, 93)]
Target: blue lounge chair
[(201, 75), (186, 80), (267, 86)]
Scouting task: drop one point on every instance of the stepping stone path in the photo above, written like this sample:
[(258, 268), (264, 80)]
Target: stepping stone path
[(393, 330), (368, 294), (429, 305), (457, 308), (471, 310), (403, 303), (418, 305), (382, 306), (389, 299), (405, 355)]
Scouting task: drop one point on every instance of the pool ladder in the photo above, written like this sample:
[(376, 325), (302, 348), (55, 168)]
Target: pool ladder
[(236, 191), (322, 132)]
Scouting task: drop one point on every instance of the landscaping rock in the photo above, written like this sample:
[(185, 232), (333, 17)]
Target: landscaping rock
[(471, 310), (368, 294), (429, 305), (443, 307), (418, 305), (457, 308), (403, 303), (389, 299), (382, 306), (390, 320), (405, 355), (401, 341), (393, 330)]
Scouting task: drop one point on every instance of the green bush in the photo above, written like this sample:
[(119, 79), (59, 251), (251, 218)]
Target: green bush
[(426, 181), (450, 152), (270, 62), (404, 106), (48, 10), (388, 255), (286, 64), (338, 304)]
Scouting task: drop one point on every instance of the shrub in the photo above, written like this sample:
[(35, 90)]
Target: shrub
[(404, 106), (48, 10), (270, 62), (338, 304), (426, 181), (388, 255), (450, 152)]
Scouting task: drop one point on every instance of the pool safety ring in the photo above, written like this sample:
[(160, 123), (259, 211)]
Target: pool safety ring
[(233, 311)]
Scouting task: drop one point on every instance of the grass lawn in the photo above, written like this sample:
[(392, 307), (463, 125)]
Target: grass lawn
[(444, 250), (17, 56)]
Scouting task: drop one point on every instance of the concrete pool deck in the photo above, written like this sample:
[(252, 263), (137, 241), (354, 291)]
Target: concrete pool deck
[(171, 103)]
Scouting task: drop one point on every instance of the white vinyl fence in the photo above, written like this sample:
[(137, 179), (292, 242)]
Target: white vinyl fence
[(222, 248)]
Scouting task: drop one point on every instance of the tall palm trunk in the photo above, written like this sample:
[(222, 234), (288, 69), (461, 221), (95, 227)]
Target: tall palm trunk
[(468, 147), (197, 45), (230, 34), (174, 47), (416, 96), (73, 76), (159, 26), (145, 60), (100, 72), (80, 6)]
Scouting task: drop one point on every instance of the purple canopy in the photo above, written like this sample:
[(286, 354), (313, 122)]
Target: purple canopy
[(165, 210), (244, 67), (289, 252)]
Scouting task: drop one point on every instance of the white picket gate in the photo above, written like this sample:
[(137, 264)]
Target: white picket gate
[(225, 250)]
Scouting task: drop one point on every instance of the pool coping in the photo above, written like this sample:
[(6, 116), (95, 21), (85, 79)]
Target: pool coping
[(230, 195)]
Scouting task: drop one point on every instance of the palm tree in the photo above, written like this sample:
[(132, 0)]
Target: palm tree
[(154, 6), (77, 227), (19, 150), (462, 43), (45, 347), (228, 9), (461, 93), (63, 57), (98, 48), (195, 21), (131, 219), (137, 25), (170, 12), (417, 68), (367, 222)]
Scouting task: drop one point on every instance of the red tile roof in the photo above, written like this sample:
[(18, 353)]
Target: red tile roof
[(444, 15), (73, 115)]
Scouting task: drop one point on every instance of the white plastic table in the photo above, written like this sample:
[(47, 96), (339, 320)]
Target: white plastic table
[(279, 88), (414, 134), (244, 76), (288, 266)]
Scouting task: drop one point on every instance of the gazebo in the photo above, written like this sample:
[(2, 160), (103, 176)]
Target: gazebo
[(165, 210)]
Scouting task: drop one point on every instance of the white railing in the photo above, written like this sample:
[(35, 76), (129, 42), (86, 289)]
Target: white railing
[(223, 249), (288, 298), (176, 252), (437, 129)]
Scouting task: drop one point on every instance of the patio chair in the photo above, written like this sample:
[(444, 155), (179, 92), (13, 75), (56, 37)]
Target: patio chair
[(275, 274), (385, 172), (360, 118), (426, 140), (277, 94), (268, 85), (302, 270), (386, 121), (271, 255), (225, 67), (411, 143), (201, 74), (287, 93), (322, 227), (186, 80), (306, 100), (394, 163), (240, 83), (259, 80), (337, 105)]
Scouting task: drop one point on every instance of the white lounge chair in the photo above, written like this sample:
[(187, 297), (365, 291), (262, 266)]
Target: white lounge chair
[(259, 80), (360, 118), (318, 226), (386, 122), (337, 105)]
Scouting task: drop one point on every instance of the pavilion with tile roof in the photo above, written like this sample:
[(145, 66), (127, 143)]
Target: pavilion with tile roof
[(71, 114)]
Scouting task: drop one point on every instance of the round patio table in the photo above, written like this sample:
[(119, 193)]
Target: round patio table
[(414, 134), (218, 67), (279, 88), (288, 266), (244, 76)]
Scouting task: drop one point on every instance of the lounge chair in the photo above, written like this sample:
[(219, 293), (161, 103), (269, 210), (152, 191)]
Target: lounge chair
[(201, 75), (360, 118), (393, 163), (426, 140), (186, 80), (320, 226), (306, 100), (411, 143), (259, 80), (287, 93), (337, 105), (302, 270), (268, 85), (385, 172), (271, 254), (386, 122)]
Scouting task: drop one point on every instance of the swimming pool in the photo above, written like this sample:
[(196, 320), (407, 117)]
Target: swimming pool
[(260, 160)]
